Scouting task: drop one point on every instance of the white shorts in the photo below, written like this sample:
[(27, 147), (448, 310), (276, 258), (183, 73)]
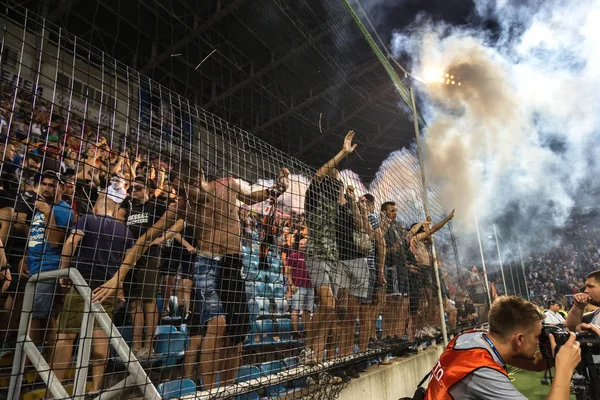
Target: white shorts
[(354, 276)]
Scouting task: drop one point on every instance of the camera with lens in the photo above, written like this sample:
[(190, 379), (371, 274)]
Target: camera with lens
[(586, 380)]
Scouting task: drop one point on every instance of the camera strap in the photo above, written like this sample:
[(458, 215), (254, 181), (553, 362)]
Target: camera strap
[(495, 350)]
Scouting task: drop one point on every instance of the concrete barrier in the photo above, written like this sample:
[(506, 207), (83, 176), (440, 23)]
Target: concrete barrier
[(392, 382)]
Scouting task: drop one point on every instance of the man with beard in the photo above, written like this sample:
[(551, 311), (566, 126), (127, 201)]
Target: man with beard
[(474, 365), (221, 308)]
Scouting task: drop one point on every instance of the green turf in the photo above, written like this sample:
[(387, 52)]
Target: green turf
[(529, 383)]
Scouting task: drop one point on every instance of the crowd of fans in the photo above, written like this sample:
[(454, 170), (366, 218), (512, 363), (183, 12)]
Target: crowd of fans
[(140, 228)]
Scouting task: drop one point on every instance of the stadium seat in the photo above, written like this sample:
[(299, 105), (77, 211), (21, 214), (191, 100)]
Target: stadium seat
[(247, 373), (290, 363), (276, 278), (253, 309), (268, 291), (271, 368), (275, 264), (281, 306), (261, 332), (278, 291), (251, 274), (259, 289), (263, 276), (171, 346), (165, 329), (263, 305), (284, 329), (177, 388)]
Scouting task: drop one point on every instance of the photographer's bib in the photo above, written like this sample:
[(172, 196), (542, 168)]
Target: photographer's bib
[(458, 361)]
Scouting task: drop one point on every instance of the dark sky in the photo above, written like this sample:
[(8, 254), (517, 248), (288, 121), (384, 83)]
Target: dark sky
[(390, 15)]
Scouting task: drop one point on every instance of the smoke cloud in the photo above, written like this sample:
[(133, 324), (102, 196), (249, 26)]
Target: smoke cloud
[(518, 136)]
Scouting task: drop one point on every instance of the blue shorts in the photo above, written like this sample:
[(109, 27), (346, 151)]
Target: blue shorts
[(43, 300), (207, 303)]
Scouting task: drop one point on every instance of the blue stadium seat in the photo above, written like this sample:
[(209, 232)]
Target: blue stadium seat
[(281, 306), (263, 276), (253, 309), (261, 332), (268, 291), (177, 388), (270, 368), (171, 346), (284, 329), (275, 264), (276, 277), (278, 291), (290, 363), (260, 289), (247, 373), (263, 305), (246, 250), (165, 329), (251, 274)]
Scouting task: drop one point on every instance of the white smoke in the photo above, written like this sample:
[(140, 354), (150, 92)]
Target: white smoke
[(520, 131)]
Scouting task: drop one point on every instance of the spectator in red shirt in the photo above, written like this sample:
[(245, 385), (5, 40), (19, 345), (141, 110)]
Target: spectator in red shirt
[(303, 295)]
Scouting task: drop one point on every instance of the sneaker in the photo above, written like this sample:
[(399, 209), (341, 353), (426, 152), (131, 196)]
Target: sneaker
[(362, 366), (352, 373), (144, 354), (373, 345), (326, 378), (93, 395), (339, 376), (386, 360), (307, 357)]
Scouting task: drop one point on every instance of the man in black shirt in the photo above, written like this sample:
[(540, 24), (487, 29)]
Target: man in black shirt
[(140, 212)]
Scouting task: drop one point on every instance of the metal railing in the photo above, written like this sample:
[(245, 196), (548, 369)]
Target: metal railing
[(26, 348)]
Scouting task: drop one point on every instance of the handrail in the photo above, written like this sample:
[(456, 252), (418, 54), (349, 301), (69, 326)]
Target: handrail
[(26, 348)]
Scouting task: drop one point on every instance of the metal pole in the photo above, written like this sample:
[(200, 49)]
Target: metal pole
[(500, 260), (522, 265), (426, 204), (487, 289)]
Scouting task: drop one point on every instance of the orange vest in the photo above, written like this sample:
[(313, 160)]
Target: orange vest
[(455, 365)]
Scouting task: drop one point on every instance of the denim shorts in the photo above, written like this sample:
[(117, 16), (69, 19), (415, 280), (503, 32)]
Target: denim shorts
[(207, 302), (43, 300), (303, 299)]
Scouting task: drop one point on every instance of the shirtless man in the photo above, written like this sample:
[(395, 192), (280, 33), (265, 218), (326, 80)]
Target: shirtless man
[(221, 308), (423, 279)]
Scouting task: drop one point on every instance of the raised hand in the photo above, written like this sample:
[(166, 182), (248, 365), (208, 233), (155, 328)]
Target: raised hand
[(348, 147), (350, 193), (283, 181)]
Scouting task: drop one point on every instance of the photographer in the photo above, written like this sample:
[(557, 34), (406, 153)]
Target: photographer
[(474, 365)]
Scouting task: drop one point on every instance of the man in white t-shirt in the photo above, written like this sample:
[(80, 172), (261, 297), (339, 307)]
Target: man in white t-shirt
[(552, 316)]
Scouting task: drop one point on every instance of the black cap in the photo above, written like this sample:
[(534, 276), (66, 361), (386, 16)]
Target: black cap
[(53, 175)]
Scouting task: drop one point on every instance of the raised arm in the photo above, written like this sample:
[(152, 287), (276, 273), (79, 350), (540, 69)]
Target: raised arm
[(328, 168), (134, 254), (430, 231), (575, 316), (256, 196)]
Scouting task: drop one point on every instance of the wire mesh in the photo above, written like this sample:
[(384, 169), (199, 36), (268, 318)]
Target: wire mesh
[(227, 266)]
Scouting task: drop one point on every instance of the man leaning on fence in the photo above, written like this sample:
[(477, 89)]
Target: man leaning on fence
[(95, 247)]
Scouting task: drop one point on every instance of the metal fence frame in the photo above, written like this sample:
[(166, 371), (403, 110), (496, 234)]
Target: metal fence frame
[(26, 348)]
